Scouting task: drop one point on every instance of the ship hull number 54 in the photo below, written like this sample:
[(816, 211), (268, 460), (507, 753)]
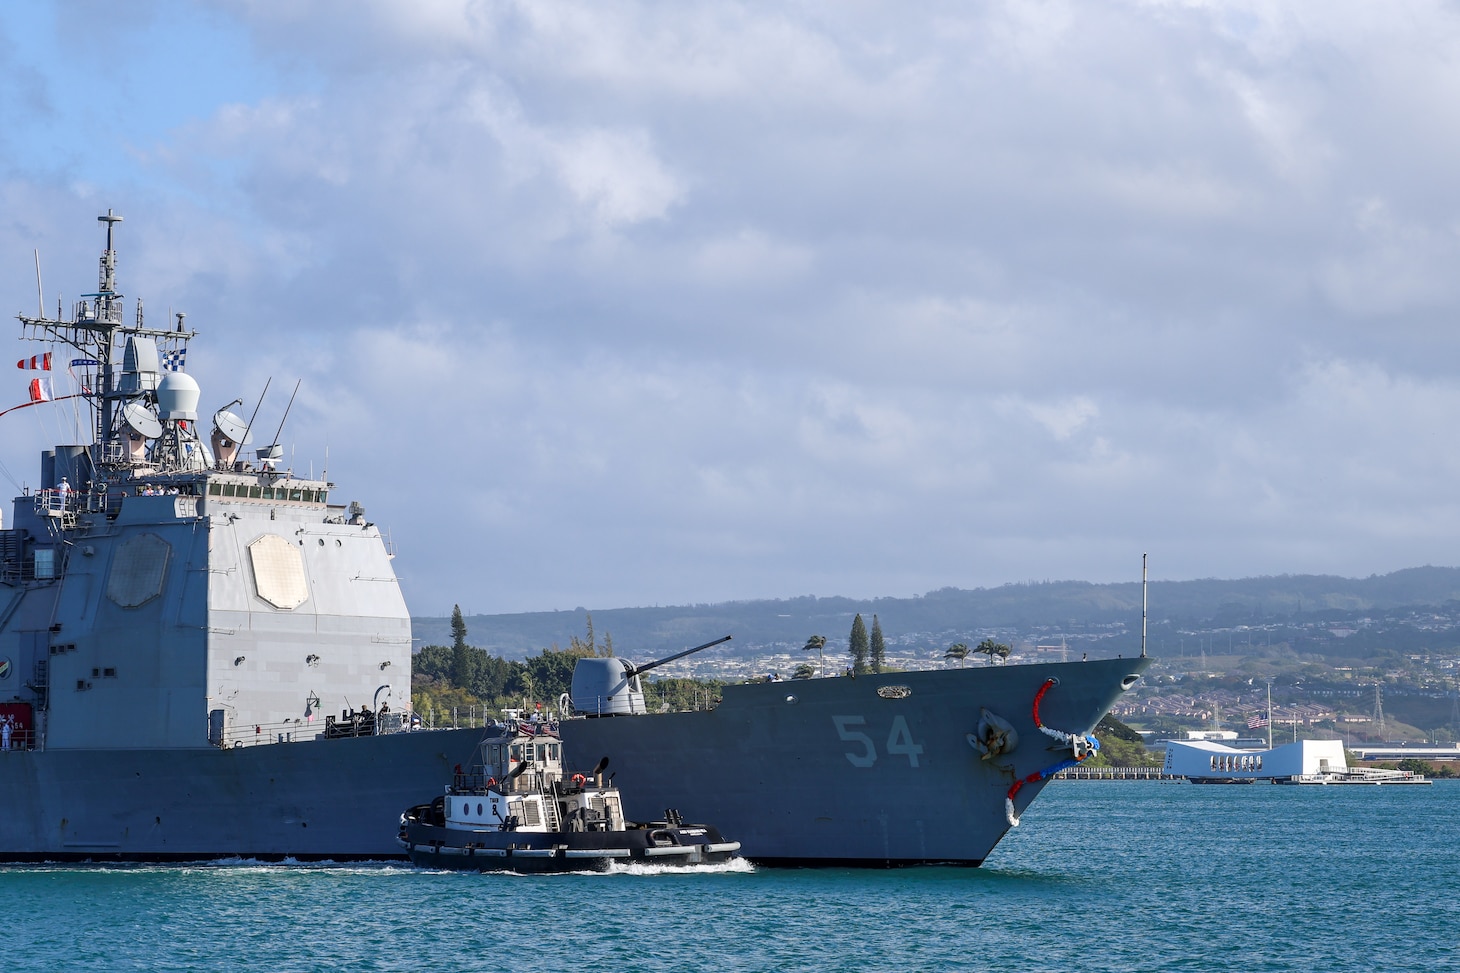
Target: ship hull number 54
[(900, 743)]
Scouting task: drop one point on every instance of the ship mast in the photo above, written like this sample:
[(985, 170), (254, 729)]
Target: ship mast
[(95, 324)]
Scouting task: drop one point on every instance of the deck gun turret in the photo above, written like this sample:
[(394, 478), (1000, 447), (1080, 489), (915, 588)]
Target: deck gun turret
[(611, 687)]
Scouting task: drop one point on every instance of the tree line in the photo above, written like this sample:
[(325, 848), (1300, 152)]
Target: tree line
[(464, 679)]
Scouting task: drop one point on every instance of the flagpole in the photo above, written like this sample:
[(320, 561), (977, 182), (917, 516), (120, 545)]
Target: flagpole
[(1143, 605), (1269, 714), (27, 405)]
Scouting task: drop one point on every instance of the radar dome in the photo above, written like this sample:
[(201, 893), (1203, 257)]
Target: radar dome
[(177, 396)]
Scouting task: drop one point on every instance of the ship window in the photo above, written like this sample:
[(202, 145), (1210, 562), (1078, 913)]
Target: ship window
[(296, 494), (255, 492), (516, 751), (229, 489), (109, 673), (216, 489)]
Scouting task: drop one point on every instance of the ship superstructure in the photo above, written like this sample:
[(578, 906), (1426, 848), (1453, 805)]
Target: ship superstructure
[(169, 603)]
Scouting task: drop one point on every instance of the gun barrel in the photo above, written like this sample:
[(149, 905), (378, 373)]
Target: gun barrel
[(636, 670)]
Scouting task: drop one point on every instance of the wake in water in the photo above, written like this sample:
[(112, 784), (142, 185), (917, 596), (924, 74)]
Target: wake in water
[(735, 866)]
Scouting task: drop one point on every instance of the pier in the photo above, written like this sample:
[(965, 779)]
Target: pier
[(1116, 773)]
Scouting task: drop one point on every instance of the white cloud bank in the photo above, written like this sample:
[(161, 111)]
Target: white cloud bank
[(652, 303)]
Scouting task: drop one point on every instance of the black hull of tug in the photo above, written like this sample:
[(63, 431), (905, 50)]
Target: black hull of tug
[(490, 850)]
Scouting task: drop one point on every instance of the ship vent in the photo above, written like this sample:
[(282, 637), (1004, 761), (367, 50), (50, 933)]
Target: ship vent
[(138, 570), (12, 555), (531, 814)]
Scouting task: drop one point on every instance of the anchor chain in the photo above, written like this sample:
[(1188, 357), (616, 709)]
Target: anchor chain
[(1082, 747)]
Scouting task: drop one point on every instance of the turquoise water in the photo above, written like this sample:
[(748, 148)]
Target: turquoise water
[(1100, 876)]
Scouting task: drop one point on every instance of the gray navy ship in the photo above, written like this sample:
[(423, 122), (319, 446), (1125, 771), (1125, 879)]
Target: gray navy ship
[(204, 655)]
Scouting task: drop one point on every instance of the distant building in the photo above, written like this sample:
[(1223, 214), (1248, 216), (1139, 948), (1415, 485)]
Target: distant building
[(1205, 760), (1226, 735), (1391, 751)]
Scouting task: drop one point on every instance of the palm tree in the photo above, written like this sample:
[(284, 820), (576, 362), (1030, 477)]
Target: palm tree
[(991, 648), (959, 651), (817, 642)]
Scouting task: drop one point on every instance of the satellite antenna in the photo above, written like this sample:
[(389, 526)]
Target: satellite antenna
[(230, 434), (231, 425), (142, 420)]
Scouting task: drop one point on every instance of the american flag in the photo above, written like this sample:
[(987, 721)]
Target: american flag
[(1256, 722)]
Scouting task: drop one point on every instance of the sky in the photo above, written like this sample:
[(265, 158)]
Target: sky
[(610, 305)]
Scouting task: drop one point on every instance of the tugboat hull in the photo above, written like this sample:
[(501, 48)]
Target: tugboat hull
[(429, 846)]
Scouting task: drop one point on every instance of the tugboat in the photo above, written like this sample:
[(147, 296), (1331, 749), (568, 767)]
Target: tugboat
[(516, 810)]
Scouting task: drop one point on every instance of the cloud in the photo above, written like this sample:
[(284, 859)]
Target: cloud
[(683, 302)]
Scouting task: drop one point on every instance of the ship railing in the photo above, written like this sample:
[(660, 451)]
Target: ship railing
[(86, 312), (23, 739), (258, 734), (53, 503), (299, 730)]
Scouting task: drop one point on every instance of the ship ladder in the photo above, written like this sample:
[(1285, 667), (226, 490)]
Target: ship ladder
[(550, 802)]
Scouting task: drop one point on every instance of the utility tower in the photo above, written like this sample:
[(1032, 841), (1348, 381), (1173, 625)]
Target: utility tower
[(1379, 709)]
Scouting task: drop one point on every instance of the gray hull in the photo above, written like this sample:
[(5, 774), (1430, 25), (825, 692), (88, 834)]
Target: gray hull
[(326, 799), (827, 771)]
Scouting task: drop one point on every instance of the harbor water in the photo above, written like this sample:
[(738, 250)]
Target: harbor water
[(1100, 875)]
